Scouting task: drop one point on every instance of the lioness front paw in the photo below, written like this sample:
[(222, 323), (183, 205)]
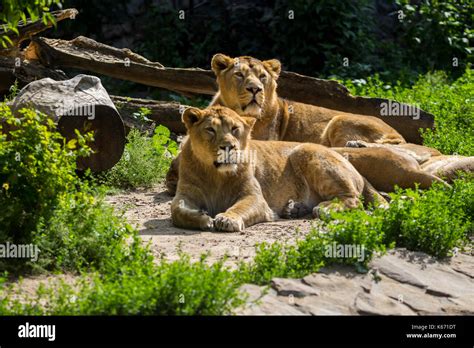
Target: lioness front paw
[(356, 143), (225, 223), (207, 223)]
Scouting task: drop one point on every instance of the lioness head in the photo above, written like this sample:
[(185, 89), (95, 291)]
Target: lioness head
[(246, 84), (219, 136)]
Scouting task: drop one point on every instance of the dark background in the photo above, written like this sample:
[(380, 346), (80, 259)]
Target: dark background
[(322, 33)]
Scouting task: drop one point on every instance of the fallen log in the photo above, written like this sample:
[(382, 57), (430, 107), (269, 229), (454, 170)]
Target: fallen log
[(87, 54), (165, 113), (80, 103), (24, 71)]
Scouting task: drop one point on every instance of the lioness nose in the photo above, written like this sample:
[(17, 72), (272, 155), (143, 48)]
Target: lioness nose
[(254, 90)]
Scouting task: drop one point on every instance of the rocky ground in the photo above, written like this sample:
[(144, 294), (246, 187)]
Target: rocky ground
[(399, 283)]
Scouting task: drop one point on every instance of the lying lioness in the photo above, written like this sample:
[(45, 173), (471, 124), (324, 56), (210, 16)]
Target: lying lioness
[(248, 86), (431, 161), (259, 179), (385, 168)]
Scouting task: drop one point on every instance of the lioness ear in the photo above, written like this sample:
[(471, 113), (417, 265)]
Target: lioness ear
[(191, 116), (220, 62), (249, 121), (273, 66)]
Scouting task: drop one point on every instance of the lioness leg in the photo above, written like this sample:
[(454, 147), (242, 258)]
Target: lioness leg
[(186, 214), (172, 176), (247, 211), (343, 203), (329, 176), (344, 128)]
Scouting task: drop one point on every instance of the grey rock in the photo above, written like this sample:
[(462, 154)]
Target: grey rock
[(287, 287), (407, 283)]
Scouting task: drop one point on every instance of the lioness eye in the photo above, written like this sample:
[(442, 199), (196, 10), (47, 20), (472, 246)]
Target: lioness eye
[(263, 77), (211, 130), (235, 130), (239, 74)]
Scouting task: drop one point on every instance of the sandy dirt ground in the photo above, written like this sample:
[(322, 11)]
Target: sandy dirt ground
[(149, 211)]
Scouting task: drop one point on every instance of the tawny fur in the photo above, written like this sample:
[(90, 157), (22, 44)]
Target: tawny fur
[(447, 167), (230, 197), (386, 168), (244, 79)]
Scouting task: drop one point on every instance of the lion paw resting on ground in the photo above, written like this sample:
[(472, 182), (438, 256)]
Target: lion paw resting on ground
[(431, 161), (248, 86), (228, 182)]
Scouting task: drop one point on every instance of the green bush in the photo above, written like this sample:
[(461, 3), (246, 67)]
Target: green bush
[(14, 11), (37, 169), (451, 104), (138, 287), (43, 201), (145, 160), (435, 221), (433, 33)]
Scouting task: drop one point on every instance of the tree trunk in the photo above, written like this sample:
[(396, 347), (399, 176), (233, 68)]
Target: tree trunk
[(24, 72), (165, 113), (87, 54)]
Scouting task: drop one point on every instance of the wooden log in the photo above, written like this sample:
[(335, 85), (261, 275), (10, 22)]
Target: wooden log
[(24, 71), (30, 28), (167, 114), (80, 103), (87, 54)]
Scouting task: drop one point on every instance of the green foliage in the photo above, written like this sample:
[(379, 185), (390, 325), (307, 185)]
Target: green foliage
[(356, 228), (84, 233), (138, 286), (322, 34), (15, 12), (450, 102), (313, 39), (45, 204), (434, 32), (145, 160), (37, 169), (435, 221)]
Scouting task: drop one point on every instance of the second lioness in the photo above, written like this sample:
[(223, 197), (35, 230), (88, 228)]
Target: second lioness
[(229, 194), (249, 87)]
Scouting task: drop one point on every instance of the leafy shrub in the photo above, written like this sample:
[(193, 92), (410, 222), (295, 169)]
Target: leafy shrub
[(84, 233), (145, 160), (356, 228), (37, 169), (433, 33), (139, 287), (435, 221), (43, 201), (14, 11), (451, 104), (333, 30)]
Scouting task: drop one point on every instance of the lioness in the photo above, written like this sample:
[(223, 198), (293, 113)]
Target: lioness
[(248, 86), (385, 168), (431, 160), (230, 194)]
